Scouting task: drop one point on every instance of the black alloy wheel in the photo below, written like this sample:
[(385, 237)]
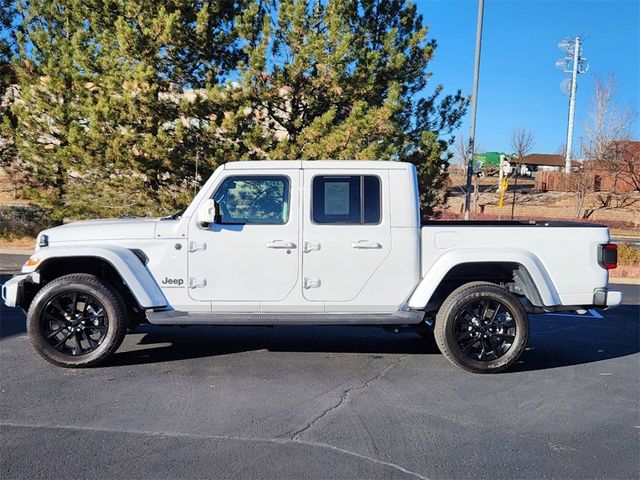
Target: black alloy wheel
[(74, 323), (77, 320), (485, 329)]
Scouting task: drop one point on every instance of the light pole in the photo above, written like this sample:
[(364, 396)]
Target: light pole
[(573, 63), (474, 104)]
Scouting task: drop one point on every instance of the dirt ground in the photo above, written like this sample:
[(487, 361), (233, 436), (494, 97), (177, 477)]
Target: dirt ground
[(620, 212), (22, 243)]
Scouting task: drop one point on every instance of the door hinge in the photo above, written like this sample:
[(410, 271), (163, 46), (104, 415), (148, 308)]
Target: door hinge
[(311, 282), (195, 246), (197, 283), (311, 246)]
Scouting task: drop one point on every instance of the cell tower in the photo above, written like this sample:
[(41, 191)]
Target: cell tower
[(573, 63)]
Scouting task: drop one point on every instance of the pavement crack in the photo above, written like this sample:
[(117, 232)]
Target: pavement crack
[(363, 457), (295, 435), (277, 441)]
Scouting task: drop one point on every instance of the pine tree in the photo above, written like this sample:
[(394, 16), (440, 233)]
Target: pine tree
[(8, 154), (7, 43), (122, 100), (345, 79), (117, 103), (49, 117), (160, 68)]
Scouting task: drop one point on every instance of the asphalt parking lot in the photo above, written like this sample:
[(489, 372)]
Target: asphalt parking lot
[(326, 402)]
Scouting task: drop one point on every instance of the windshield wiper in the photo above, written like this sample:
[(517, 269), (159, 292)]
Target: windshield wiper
[(175, 216)]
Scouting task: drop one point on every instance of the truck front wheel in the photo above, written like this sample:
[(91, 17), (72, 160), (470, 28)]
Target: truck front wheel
[(76, 321), (481, 328)]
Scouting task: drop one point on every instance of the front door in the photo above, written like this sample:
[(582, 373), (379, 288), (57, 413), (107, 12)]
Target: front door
[(346, 234), (251, 254)]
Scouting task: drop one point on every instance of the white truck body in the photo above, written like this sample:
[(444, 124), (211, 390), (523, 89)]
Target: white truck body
[(316, 242), (300, 266)]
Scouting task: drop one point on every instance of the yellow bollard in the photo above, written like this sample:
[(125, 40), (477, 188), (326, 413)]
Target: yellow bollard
[(503, 190)]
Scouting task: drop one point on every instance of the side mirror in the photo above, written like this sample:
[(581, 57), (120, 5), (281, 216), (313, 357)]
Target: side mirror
[(208, 212)]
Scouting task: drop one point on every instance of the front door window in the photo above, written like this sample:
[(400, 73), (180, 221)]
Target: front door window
[(254, 200)]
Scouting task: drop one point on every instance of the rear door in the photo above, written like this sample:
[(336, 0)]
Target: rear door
[(346, 232)]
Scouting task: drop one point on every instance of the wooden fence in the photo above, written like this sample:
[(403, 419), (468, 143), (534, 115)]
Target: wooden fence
[(596, 181)]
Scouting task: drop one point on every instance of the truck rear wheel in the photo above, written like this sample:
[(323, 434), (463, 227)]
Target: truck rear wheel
[(481, 328), (76, 321)]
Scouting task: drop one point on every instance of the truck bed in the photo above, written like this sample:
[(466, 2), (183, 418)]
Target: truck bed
[(565, 252)]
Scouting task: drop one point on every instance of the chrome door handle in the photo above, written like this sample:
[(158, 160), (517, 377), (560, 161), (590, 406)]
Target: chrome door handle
[(365, 244), (280, 244)]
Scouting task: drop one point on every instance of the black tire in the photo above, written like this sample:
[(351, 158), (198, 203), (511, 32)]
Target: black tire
[(67, 337), (472, 341)]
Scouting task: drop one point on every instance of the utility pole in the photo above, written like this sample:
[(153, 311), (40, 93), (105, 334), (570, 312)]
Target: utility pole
[(474, 104), (572, 105), (573, 63)]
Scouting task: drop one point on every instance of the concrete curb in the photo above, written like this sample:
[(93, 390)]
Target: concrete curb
[(13, 251), (625, 280)]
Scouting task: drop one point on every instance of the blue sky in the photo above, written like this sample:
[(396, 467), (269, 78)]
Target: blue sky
[(519, 84)]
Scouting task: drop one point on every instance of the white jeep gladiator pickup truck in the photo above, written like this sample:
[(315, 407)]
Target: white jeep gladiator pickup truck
[(309, 242)]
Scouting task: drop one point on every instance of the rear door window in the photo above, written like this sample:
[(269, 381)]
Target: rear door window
[(349, 199)]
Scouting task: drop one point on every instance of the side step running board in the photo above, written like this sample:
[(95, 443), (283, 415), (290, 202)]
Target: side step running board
[(175, 317)]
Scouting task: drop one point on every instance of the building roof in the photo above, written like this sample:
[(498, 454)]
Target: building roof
[(545, 159)]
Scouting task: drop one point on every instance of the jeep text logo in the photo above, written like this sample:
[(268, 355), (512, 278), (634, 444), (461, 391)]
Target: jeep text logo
[(173, 281)]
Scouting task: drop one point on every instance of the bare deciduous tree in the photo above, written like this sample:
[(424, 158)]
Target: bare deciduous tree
[(583, 183), (608, 122), (462, 149), (610, 201), (609, 128), (630, 159), (609, 125), (522, 142)]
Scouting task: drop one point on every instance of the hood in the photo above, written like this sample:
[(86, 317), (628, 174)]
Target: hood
[(113, 229)]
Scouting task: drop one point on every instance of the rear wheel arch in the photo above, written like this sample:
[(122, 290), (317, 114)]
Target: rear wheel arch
[(513, 276)]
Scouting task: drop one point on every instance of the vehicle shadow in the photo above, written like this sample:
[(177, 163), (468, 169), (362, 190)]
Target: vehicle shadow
[(175, 343), (560, 341), (554, 341)]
